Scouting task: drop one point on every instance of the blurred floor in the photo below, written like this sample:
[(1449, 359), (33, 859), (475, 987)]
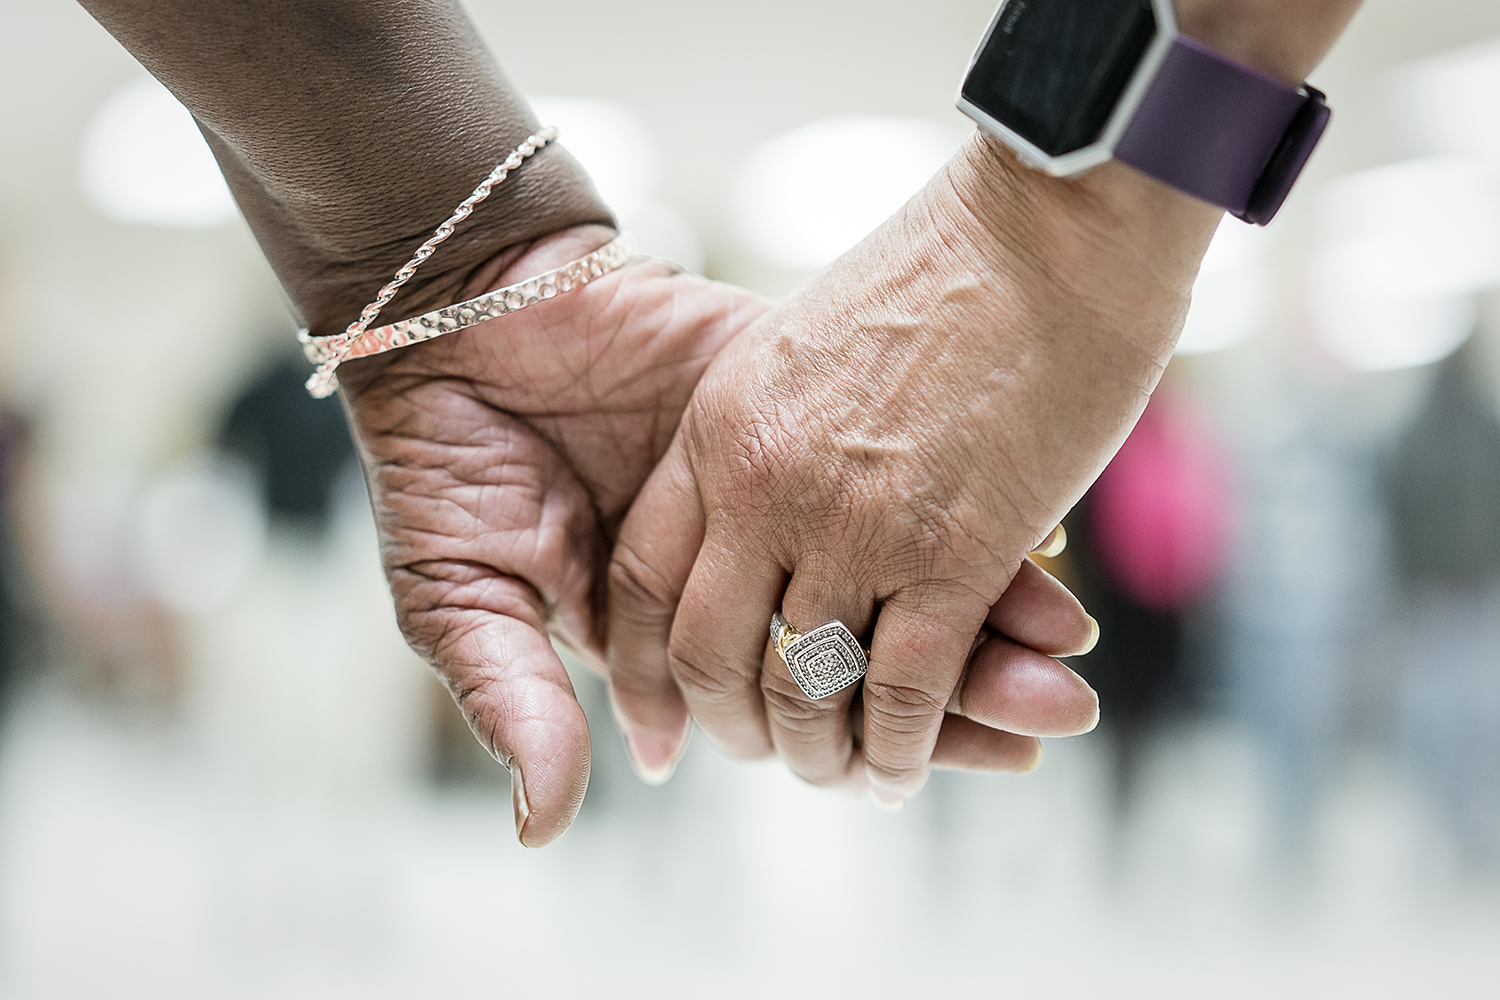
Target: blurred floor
[(126, 869)]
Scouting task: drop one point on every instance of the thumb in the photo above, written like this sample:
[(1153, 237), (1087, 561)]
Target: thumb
[(518, 700)]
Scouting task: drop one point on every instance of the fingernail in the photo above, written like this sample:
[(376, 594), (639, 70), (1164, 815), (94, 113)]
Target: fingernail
[(1093, 640), (518, 801), (1036, 761), (653, 755), (1094, 723), (887, 799), (1054, 544)]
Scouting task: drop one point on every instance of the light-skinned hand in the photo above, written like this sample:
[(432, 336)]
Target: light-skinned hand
[(884, 449), (501, 461)]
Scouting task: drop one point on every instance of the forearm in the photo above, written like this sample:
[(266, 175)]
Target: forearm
[(347, 130), (1115, 233), (1071, 292)]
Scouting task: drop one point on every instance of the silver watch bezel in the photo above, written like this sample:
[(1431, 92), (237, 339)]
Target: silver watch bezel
[(1098, 152)]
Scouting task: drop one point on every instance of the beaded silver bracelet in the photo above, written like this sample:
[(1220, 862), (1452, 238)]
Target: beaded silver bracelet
[(359, 341)]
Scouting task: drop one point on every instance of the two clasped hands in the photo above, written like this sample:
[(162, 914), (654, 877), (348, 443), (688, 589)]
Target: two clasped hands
[(649, 467)]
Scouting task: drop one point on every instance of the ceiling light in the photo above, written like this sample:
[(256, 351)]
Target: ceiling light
[(1447, 102), (608, 141), (144, 161), (1406, 251), (806, 196), (1231, 297), (621, 158)]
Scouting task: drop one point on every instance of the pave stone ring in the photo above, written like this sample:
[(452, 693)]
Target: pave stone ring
[(823, 661)]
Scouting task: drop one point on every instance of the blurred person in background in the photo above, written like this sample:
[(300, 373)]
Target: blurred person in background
[(1443, 494), (1148, 543), (882, 449), (298, 447), (13, 616)]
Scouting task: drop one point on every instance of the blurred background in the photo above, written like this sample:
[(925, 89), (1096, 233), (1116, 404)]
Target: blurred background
[(208, 790)]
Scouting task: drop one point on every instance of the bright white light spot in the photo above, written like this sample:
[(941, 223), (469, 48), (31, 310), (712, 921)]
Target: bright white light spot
[(660, 232), (1236, 245), (620, 155), (1368, 335), (1407, 248), (1447, 102), (144, 161), (610, 142), (1421, 229), (1228, 308), (807, 196), (199, 533), (1231, 297)]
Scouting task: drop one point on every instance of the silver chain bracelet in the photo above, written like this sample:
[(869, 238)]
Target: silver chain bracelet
[(329, 352), (358, 340)]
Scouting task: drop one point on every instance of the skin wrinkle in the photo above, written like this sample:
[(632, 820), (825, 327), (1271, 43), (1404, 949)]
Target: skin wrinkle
[(449, 628), (903, 703), (857, 477), (1017, 479), (711, 685), (450, 623), (488, 690), (305, 232), (942, 533), (498, 591), (657, 424), (1010, 207), (906, 324), (549, 542), (453, 493), (629, 571), (495, 568)]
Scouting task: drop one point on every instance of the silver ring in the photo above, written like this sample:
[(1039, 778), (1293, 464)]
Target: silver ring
[(823, 661)]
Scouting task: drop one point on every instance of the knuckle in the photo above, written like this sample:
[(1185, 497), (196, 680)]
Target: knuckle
[(808, 733), (901, 724), (892, 774), (904, 708), (793, 710), (636, 588), (711, 680)]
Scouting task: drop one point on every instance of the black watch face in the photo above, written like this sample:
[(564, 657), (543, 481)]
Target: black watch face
[(1053, 70)]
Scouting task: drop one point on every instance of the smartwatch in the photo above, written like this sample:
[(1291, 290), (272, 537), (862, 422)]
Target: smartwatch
[(1070, 84)]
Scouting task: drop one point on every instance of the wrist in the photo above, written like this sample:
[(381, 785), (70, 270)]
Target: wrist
[(1116, 243), (1170, 98), (511, 267), (535, 256), (347, 130), (1284, 39), (332, 267)]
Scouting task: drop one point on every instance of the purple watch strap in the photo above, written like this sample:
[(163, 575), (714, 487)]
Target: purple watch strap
[(1220, 131)]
